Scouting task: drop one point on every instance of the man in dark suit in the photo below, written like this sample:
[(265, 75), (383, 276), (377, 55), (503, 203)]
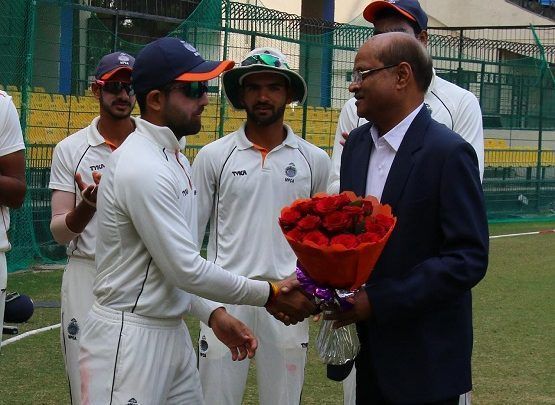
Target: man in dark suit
[(414, 316)]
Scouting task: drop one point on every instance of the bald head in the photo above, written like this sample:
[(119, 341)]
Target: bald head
[(394, 48)]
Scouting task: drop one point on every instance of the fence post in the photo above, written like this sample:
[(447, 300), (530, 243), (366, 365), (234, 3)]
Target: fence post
[(28, 72), (227, 17)]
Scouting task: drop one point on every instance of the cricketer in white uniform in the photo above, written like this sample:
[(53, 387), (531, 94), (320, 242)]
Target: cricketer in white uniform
[(449, 104), (243, 181), (73, 213), (12, 183), (135, 348)]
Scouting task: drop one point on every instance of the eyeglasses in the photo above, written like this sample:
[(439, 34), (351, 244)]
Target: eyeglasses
[(193, 90), (116, 87), (359, 75), (264, 59)]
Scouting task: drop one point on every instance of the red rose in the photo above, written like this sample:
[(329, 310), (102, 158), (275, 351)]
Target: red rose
[(367, 207), (309, 222), (368, 237), (347, 240), (337, 221), (384, 220), (370, 225), (296, 234), (305, 206), (289, 216), (316, 237), (325, 205), (353, 210)]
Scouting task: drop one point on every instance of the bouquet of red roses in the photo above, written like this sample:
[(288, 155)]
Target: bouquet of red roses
[(338, 240)]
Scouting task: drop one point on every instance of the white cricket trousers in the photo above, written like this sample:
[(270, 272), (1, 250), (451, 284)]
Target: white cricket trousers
[(3, 286), (132, 359), (77, 299), (280, 361)]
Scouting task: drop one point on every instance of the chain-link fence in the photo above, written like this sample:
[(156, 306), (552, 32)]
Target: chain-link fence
[(49, 49)]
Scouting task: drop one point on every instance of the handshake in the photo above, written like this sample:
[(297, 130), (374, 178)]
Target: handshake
[(289, 303)]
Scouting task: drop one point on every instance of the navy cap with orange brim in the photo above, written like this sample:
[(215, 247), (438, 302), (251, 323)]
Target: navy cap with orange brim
[(409, 9), (115, 65), (170, 59)]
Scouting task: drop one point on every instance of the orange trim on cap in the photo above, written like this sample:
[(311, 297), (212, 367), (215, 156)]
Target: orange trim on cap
[(112, 73), (201, 77), (378, 5), (263, 152)]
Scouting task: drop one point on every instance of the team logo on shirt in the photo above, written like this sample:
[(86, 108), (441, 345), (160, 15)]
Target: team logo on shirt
[(290, 172), (203, 346), (132, 401), (239, 173), (72, 329)]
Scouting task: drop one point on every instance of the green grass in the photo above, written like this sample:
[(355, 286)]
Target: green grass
[(514, 333)]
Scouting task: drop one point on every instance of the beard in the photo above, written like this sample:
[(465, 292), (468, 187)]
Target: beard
[(264, 120), (113, 111), (182, 127)]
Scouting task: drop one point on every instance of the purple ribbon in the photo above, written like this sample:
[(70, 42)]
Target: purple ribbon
[(325, 296)]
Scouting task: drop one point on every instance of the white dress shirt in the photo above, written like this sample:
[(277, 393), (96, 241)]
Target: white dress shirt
[(383, 153)]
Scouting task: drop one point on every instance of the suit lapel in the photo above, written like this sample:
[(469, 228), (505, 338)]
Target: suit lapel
[(403, 163), (362, 157)]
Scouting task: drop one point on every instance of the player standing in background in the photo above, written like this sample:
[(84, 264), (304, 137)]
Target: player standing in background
[(135, 346), (12, 183), (448, 103), (77, 163), (243, 181)]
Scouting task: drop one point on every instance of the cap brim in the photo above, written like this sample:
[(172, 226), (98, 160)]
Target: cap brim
[(232, 87), (118, 71), (205, 71), (376, 6)]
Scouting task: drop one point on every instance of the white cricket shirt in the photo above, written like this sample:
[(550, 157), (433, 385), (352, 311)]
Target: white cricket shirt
[(11, 140), (146, 253), (242, 193), (83, 152), (449, 104)]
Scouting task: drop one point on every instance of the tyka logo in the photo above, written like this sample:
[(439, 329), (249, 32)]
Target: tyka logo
[(239, 173), (97, 167)]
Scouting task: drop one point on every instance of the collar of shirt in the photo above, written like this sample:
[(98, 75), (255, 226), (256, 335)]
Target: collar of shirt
[(94, 138), (162, 136), (244, 143), (395, 136)]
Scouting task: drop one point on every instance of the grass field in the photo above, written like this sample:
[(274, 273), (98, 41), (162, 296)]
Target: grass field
[(514, 332)]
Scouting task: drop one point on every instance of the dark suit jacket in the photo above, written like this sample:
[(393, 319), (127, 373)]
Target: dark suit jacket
[(418, 341)]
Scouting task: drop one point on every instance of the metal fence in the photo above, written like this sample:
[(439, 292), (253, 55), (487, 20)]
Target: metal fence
[(49, 49)]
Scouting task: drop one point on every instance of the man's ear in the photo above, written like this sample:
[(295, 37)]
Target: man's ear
[(96, 89), (155, 100), (404, 74), (423, 38)]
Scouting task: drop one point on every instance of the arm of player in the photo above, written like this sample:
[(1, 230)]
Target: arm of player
[(234, 334), (69, 220), (12, 179)]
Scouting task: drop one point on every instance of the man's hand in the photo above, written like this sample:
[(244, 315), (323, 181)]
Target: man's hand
[(291, 305), (88, 191), (345, 135), (234, 334), (360, 311)]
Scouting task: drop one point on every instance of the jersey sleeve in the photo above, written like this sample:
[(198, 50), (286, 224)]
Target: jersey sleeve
[(61, 173), (150, 200), (468, 124), (11, 137), (205, 182), (348, 120), (322, 166)]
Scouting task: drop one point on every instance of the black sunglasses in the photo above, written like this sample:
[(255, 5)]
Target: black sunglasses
[(193, 90), (116, 87)]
